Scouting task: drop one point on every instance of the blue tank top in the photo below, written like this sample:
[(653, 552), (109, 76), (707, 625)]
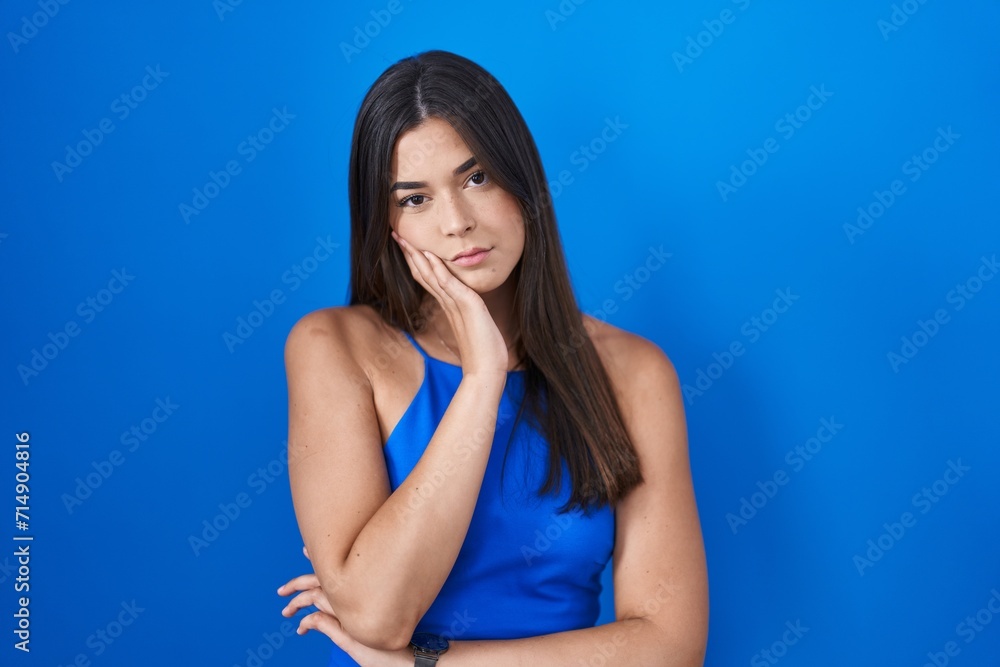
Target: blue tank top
[(523, 570)]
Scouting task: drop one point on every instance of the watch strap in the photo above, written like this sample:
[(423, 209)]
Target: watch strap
[(424, 661)]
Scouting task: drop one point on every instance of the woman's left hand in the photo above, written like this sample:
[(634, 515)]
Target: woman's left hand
[(325, 620)]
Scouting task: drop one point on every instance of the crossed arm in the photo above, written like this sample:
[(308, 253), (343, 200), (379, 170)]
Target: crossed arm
[(660, 578)]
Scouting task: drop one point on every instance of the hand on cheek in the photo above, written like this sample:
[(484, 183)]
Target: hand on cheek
[(407, 246)]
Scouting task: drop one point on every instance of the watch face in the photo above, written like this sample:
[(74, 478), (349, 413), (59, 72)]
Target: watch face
[(429, 642)]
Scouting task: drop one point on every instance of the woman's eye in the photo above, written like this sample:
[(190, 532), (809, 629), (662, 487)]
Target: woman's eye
[(478, 178), (411, 201)]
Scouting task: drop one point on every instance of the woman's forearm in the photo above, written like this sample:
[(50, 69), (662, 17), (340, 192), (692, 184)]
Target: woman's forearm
[(631, 642), (403, 555)]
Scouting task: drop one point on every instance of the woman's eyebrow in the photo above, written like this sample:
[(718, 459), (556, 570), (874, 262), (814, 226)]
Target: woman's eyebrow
[(465, 166), (415, 185)]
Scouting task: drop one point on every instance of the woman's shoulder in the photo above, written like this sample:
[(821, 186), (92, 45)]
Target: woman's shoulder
[(360, 318), (351, 331), (341, 322), (628, 357)]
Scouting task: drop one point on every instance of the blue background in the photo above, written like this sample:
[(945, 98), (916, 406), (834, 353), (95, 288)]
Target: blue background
[(685, 126)]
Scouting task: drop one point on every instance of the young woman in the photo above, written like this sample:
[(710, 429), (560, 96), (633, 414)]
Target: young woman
[(466, 448)]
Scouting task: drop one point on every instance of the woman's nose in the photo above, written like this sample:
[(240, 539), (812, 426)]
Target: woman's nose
[(456, 217)]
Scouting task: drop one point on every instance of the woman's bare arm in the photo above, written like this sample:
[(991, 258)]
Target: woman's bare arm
[(660, 573), (380, 557), (660, 578)]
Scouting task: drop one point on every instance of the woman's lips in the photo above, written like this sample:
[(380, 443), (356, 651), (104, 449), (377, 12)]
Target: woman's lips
[(472, 260)]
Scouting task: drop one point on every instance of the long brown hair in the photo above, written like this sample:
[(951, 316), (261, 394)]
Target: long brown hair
[(567, 390)]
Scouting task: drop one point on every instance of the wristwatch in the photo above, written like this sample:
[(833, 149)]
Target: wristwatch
[(427, 648)]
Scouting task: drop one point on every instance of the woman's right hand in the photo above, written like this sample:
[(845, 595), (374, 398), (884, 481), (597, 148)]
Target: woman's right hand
[(480, 343)]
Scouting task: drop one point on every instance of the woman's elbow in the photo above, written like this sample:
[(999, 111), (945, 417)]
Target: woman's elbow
[(376, 623), (378, 630)]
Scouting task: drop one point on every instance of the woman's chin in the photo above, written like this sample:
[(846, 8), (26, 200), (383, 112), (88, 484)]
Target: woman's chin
[(482, 283)]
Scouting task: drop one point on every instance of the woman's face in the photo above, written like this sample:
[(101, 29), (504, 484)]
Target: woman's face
[(443, 202)]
